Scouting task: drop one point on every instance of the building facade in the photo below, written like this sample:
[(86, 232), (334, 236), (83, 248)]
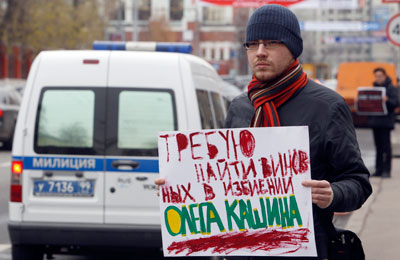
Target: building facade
[(348, 35), (331, 35), (215, 32)]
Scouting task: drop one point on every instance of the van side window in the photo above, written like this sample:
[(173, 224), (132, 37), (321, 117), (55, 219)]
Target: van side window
[(141, 115), (65, 122), (218, 109), (205, 109)]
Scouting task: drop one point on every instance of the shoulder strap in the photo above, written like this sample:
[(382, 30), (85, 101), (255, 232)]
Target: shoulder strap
[(330, 228)]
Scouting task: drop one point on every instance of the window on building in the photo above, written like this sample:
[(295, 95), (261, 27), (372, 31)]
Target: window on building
[(212, 54), (176, 10), (214, 14), (221, 54), (144, 9), (118, 11), (344, 11)]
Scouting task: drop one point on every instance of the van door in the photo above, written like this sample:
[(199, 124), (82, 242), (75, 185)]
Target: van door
[(63, 137), (144, 97), (135, 116), (64, 174)]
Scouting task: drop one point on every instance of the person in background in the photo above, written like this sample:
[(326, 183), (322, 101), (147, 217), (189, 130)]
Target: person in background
[(383, 125)]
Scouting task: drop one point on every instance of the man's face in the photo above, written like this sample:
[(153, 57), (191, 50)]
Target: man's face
[(267, 63), (380, 78)]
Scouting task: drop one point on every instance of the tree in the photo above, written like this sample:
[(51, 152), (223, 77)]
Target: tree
[(55, 24), (12, 19)]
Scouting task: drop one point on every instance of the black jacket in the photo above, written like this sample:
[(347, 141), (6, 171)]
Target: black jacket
[(387, 121), (334, 151)]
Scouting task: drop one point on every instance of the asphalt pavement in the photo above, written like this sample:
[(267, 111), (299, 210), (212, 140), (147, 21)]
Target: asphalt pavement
[(376, 221)]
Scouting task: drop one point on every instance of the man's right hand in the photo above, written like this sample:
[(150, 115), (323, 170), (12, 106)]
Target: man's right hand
[(159, 182)]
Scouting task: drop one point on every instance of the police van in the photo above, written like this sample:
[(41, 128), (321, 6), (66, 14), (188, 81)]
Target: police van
[(84, 157)]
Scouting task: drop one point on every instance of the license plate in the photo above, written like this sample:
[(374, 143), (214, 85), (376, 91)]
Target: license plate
[(63, 188)]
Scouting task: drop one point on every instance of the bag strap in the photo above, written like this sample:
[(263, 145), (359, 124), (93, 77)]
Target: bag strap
[(330, 228)]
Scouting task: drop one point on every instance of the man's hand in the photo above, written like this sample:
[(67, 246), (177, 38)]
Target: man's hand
[(159, 182), (322, 194)]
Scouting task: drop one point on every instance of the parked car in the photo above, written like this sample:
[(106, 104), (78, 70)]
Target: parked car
[(330, 83), (229, 91), (10, 100)]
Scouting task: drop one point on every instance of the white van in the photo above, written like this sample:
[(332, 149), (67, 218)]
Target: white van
[(84, 157)]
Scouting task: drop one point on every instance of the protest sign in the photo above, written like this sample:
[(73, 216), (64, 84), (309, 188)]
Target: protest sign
[(236, 192), (370, 101)]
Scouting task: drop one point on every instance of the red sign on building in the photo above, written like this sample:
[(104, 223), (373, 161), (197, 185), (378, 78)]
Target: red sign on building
[(252, 3)]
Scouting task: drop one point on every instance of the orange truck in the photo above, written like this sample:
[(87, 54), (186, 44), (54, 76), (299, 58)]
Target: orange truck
[(352, 75), (316, 70)]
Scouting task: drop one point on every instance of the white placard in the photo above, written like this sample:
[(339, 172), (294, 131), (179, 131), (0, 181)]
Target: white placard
[(370, 101), (236, 192)]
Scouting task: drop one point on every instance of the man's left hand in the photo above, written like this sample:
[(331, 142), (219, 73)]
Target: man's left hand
[(321, 191)]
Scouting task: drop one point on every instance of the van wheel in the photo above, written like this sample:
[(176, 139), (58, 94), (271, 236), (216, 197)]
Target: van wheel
[(22, 252), (7, 145)]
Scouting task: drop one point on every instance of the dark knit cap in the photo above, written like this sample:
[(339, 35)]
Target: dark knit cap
[(275, 22)]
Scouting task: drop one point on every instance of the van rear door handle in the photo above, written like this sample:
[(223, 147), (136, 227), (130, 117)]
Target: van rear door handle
[(48, 174), (141, 178), (125, 163)]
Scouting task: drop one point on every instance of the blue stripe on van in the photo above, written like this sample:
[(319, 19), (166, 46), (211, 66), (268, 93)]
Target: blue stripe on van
[(148, 166), (62, 163), (83, 164)]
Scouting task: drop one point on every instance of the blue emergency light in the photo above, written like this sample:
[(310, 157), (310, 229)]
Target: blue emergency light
[(143, 46)]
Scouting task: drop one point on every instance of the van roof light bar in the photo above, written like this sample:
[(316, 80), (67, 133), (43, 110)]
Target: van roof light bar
[(143, 46)]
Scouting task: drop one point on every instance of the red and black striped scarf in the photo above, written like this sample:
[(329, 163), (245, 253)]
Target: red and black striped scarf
[(267, 97)]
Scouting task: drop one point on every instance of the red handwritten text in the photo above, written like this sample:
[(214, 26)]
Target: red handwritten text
[(171, 196), (283, 165), (265, 240)]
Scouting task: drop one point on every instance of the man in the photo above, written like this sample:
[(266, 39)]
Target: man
[(382, 125), (280, 94)]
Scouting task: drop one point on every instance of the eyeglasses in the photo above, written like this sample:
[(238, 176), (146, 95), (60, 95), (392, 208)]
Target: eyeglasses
[(268, 44)]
